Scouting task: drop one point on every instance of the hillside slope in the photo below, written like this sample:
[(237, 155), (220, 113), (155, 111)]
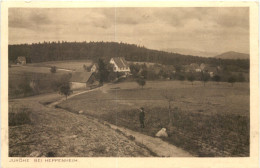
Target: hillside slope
[(66, 134), (184, 51), (233, 55)]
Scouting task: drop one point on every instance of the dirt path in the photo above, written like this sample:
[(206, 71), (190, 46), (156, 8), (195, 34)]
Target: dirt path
[(71, 96), (156, 145)]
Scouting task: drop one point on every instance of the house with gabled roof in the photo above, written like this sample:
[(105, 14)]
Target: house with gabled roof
[(80, 80), (211, 70), (119, 64), (94, 68), (21, 60), (193, 67)]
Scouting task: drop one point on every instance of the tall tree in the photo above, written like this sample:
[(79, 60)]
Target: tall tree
[(205, 77), (65, 89), (103, 72), (191, 78)]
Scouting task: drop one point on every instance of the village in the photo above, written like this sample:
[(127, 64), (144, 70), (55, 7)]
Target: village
[(86, 76)]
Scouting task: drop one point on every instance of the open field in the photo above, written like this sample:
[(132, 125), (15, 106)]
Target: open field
[(75, 65), (207, 121), (20, 78), (44, 67), (17, 70), (211, 99)]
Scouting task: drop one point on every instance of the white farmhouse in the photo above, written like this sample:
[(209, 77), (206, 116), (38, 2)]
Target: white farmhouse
[(119, 64)]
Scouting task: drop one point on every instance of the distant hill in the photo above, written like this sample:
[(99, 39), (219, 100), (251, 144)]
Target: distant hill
[(233, 55), (184, 51)]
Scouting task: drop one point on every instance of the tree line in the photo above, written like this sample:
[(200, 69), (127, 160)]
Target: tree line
[(142, 72), (58, 51)]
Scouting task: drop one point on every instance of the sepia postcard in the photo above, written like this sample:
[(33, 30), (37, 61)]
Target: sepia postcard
[(129, 84)]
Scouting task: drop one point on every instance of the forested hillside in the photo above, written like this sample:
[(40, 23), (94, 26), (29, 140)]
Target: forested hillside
[(54, 51)]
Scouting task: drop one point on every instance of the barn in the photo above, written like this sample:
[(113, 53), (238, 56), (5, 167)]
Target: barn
[(81, 80)]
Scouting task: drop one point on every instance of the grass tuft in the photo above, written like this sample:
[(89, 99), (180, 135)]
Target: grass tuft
[(21, 117)]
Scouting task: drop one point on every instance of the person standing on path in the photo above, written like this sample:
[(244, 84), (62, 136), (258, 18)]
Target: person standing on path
[(141, 117)]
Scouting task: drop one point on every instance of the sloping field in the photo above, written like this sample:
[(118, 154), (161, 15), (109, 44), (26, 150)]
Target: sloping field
[(75, 65), (64, 134), (207, 121), (20, 77), (211, 99)]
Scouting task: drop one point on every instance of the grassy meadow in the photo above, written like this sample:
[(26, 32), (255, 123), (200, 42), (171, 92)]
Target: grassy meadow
[(74, 65), (21, 76), (211, 120)]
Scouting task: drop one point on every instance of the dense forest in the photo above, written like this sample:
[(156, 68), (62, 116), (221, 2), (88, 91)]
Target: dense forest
[(57, 51)]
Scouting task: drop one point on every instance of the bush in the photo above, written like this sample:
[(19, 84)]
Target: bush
[(141, 81), (216, 78), (231, 80), (191, 78), (65, 90), (21, 117), (53, 69), (180, 77), (59, 81), (241, 78), (24, 87)]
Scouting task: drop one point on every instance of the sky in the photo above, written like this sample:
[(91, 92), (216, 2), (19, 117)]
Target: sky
[(207, 29)]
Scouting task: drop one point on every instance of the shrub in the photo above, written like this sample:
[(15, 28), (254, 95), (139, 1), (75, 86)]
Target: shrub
[(231, 80), (59, 81), (216, 78), (180, 77), (141, 81), (191, 78), (112, 76), (65, 90), (53, 69), (25, 88), (241, 78), (51, 154)]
